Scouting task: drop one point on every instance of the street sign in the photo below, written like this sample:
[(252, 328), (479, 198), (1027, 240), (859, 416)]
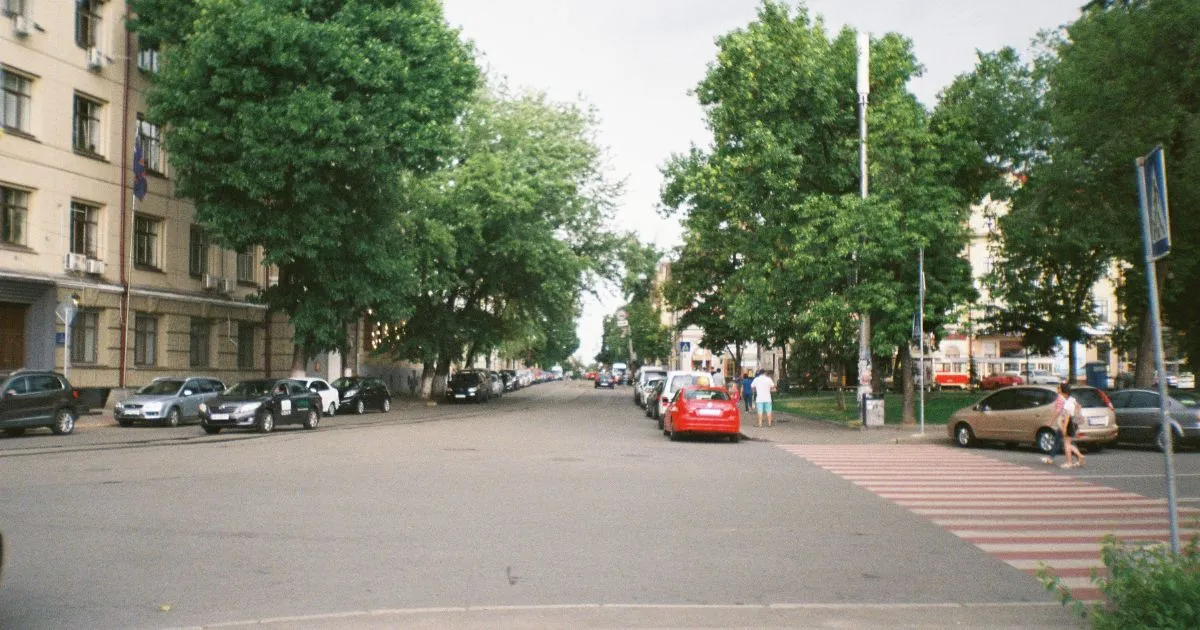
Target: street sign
[(622, 319), (66, 311), (60, 338), (1152, 170), (685, 346)]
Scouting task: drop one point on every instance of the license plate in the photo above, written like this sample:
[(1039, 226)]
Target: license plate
[(219, 416), (708, 412), (460, 395), (133, 412), (1098, 421)]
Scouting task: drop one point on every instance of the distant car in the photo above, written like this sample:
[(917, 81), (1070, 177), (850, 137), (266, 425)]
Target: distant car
[(591, 376), (644, 375), (1139, 422), (702, 410), (168, 400), (357, 393), (1024, 414), (1182, 380), (1041, 377), (1003, 379), (470, 385), (652, 395), (512, 382), (646, 390), (37, 398), (330, 398), (604, 379), (261, 404), (497, 383), (671, 384)]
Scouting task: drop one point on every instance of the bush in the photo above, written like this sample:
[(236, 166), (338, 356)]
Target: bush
[(1147, 586)]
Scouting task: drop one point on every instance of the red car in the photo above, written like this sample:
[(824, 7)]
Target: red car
[(1003, 379), (702, 410)]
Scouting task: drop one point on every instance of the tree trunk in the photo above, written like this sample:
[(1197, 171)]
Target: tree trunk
[(427, 372), (841, 389), (909, 417), (1071, 359), (297, 361), (878, 367), (1143, 370), (440, 376)]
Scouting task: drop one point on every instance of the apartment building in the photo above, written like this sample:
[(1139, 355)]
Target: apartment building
[(153, 295)]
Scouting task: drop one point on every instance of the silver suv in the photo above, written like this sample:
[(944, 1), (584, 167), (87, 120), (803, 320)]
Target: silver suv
[(167, 400)]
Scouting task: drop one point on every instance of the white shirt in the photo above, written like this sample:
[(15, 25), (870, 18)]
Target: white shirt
[(762, 386), (718, 379)]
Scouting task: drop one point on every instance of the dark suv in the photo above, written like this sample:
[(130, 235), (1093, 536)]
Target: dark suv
[(359, 392), (37, 398)]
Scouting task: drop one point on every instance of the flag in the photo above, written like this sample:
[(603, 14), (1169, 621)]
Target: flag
[(139, 170)]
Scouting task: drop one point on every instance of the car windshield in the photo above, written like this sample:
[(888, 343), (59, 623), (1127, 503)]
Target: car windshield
[(251, 388), (1089, 398), (705, 394), (346, 382), (163, 387), (464, 378), (683, 380)]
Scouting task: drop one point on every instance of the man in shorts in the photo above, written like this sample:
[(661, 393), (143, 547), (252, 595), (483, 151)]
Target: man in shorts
[(763, 385)]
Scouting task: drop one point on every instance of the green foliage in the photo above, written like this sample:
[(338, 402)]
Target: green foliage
[(289, 125), (1147, 586)]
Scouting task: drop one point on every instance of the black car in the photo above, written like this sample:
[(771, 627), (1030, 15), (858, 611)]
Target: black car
[(604, 379), (261, 404), (469, 385), (37, 398), (359, 392)]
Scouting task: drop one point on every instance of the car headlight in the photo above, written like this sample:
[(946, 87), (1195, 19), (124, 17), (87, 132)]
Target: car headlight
[(351, 393), (152, 407), (202, 408), (472, 390)]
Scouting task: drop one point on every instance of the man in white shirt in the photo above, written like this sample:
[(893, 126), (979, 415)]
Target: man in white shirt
[(763, 385)]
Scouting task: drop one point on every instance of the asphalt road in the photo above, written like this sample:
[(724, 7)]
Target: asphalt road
[(556, 506)]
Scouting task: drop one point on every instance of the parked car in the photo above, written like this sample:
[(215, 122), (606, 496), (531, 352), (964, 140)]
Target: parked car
[(702, 410), (261, 404), (652, 396), (1041, 377), (604, 379), (168, 400), (511, 381), (359, 392), (1139, 422), (497, 383), (671, 384), (330, 398), (645, 390), (1003, 379), (1024, 414), (643, 376), (470, 385), (37, 398)]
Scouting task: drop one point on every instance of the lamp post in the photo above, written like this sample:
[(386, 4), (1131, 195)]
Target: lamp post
[(864, 318)]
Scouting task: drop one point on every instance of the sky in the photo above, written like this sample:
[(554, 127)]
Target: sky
[(636, 62)]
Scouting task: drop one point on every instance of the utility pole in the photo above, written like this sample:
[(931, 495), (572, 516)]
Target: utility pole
[(864, 318)]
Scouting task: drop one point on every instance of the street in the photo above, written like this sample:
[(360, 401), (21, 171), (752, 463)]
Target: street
[(555, 506)]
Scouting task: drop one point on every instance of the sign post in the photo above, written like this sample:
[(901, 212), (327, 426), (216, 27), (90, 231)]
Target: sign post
[(65, 311), (1156, 240)]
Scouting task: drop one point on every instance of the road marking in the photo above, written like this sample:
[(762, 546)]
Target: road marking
[(1031, 517)]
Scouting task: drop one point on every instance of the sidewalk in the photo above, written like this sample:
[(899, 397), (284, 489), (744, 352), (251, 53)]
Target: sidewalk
[(793, 429)]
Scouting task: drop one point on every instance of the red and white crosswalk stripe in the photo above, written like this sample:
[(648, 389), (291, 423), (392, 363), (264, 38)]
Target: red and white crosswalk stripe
[(1028, 516)]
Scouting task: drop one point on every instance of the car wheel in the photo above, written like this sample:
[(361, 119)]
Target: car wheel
[(14, 432), (673, 435), (125, 423), (963, 435), (332, 409), (64, 422), (173, 417), (1160, 441), (359, 407), (210, 430), (387, 405), (1047, 442), (312, 420), (735, 438), (266, 422)]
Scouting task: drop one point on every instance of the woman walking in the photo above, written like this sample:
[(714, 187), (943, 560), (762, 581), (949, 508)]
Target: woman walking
[(1064, 420)]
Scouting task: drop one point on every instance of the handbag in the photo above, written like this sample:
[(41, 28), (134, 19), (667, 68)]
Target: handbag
[(1072, 428)]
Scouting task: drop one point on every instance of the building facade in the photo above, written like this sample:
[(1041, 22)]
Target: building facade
[(151, 294)]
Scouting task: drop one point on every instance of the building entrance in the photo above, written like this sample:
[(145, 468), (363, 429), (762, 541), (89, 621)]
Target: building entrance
[(12, 336)]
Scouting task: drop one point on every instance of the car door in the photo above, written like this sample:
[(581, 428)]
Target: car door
[(303, 400), (45, 390), (989, 422), (14, 408), (1142, 416), (190, 396)]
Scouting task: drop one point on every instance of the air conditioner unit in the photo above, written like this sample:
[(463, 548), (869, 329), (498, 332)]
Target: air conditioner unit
[(227, 285), (95, 58), (74, 262), (22, 25), (94, 267), (210, 281)]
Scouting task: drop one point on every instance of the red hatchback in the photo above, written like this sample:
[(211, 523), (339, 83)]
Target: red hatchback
[(702, 410)]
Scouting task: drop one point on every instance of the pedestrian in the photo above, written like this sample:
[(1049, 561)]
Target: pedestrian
[(747, 391), (1065, 410), (763, 385), (718, 379)]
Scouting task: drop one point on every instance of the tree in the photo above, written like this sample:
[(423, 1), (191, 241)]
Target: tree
[(289, 125)]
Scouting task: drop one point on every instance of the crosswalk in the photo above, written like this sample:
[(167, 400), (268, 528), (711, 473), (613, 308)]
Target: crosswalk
[(1027, 516)]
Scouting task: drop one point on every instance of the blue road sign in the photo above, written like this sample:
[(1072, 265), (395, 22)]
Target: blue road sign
[(685, 346), (1154, 202)]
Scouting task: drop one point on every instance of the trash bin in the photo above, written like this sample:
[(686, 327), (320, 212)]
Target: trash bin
[(1097, 374), (873, 410)]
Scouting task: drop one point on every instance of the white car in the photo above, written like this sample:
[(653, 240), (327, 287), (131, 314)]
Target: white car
[(330, 399), (674, 380), (1040, 377)]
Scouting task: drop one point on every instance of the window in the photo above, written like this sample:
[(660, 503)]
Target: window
[(150, 136), (245, 346), (197, 251), (14, 212), (145, 339), (15, 7), (147, 60), (18, 93), (85, 332), (1101, 311), (84, 219), (87, 125), (199, 343), (145, 240), (245, 265), (87, 22)]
